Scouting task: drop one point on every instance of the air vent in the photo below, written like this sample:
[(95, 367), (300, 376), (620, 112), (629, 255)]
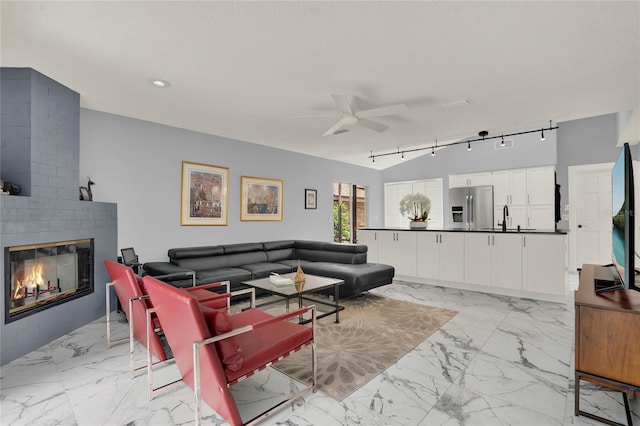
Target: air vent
[(508, 144)]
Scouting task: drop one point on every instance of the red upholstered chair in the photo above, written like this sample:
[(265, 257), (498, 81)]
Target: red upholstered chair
[(214, 350), (143, 324)]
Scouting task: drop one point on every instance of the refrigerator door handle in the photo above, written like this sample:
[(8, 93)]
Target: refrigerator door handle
[(466, 206), (471, 218)]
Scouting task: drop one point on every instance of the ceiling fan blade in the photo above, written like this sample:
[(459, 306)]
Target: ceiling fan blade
[(334, 116), (373, 125), (334, 129), (385, 110), (343, 103)]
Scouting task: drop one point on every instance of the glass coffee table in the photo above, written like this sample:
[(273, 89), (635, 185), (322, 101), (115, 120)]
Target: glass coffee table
[(300, 291)]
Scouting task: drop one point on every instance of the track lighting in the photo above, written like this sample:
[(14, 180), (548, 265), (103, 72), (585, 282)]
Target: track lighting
[(483, 135), (542, 138)]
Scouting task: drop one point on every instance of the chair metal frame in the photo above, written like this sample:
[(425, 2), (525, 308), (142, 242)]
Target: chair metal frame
[(313, 387), (150, 328)]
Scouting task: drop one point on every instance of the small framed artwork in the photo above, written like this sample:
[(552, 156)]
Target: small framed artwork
[(205, 198), (261, 199), (84, 194), (310, 199)]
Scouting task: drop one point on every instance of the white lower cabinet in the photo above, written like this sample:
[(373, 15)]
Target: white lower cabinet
[(493, 260), (517, 264), (440, 255), (398, 248), (544, 266), (370, 239)]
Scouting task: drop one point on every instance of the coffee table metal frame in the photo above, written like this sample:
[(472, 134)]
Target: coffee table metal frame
[(313, 283)]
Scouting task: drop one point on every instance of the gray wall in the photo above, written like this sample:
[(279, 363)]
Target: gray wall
[(46, 144), (137, 165)]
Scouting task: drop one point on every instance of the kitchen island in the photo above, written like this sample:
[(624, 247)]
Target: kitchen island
[(531, 263)]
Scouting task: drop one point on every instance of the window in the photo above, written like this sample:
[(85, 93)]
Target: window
[(349, 211)]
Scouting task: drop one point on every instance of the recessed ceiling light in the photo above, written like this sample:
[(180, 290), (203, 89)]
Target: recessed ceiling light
[(160, 83)]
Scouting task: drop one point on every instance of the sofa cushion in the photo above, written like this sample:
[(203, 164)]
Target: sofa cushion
[(261, 270), (357, 278), (228, 349), (200, 263), (242, 248), (190, 252), (246, 258), (278, 245), (293, 264), (224, 274), (330, 256), (278, 255)]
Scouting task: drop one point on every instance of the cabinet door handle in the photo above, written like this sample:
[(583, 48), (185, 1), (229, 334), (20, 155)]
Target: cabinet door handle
[(375, 236), (436, 238), (493, 240), (524, 241), (488, 240)]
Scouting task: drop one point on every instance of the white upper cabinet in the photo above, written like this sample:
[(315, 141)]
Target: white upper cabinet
[(394, 191), (541, 185), (510, 187), (470, 179)]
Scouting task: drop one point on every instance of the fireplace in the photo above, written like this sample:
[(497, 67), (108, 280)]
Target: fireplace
[(41, 276)]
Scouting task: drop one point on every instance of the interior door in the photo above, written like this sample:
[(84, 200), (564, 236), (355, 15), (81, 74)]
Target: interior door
[(593, 215)]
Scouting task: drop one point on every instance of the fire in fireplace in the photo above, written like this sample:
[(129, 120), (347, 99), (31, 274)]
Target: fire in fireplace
[(40, 276)]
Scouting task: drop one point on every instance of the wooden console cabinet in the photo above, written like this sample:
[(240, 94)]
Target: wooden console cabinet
[(607, 339)]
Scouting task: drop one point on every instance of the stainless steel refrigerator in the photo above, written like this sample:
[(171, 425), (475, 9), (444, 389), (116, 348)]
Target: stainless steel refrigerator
[(472, 207)]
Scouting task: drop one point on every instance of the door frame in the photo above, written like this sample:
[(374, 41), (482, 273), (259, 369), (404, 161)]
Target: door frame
[(573, 203)]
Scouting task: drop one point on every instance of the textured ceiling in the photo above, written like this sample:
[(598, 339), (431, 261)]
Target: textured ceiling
[(243, 70)]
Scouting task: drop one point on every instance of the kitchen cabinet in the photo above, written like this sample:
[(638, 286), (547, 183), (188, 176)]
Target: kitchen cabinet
[(493, 260), (541, 217), (541, 187), (517, 216), (370, 239), (470, 179), (544, 264), (510, 187), (394, 191), (440, 255), (529, 195), (398, 248)]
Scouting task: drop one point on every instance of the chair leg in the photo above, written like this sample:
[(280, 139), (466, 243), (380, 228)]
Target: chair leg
[(108, 315)]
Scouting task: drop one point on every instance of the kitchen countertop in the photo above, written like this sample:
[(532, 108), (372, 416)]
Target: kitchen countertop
[(485, 230)]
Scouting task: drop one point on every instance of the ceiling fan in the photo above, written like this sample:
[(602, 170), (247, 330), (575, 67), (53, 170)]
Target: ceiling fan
[(351, 115)]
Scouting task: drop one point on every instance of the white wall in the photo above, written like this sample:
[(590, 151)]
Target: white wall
[(138, 165)]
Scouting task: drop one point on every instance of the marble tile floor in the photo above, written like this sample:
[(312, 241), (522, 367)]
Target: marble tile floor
[(499, 361)]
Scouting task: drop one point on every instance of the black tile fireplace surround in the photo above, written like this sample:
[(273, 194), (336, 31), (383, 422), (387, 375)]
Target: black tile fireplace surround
[(40, 276)]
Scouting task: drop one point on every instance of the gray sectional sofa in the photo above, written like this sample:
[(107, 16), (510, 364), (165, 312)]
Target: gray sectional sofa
[(242, 262)]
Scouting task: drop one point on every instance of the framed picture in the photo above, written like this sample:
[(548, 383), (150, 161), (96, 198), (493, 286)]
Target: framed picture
[(205, 198), (310, 199), (261, 199)]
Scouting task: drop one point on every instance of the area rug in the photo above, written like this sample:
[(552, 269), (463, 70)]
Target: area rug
[(374, 332)]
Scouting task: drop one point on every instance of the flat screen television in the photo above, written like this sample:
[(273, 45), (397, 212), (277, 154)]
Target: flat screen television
[(623, 226)]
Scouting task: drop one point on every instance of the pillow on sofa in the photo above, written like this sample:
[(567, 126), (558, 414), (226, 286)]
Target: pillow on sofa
[(228, 349)]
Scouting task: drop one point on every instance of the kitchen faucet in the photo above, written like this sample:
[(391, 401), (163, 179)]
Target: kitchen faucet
[(505, 215)]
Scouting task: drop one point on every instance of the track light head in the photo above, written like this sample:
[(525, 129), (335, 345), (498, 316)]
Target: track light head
[(373, 159), (502, 142), (468, 145), (402, 156), (433, 151), (542, 138)]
